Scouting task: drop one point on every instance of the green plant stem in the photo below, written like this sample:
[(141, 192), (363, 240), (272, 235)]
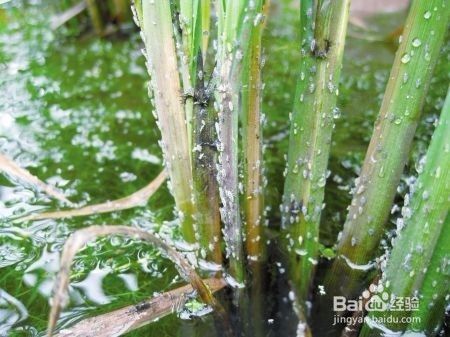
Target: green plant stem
[(201, 122), (206, 22), (230, 34), (416, 245), (435, 288), (96, 17), (190, 24), (121, 10), (389, 147), (252, 160), (157, 30), (312, 123), (206, 190), (252, 143), (188, 44)]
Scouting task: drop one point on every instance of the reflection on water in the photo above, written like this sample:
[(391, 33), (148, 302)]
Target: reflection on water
[(76, 114), (12, 311)]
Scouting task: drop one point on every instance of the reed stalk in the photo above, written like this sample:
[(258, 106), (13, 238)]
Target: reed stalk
[(434, 290), (252, 140), (252, 159), (206, 23), (96, 16), (155, 21), (121, 10), (191, 30), (201, 119), (204, 161), (323, 29), (232, 39), (416, 261), (389, 147), (188, 36)]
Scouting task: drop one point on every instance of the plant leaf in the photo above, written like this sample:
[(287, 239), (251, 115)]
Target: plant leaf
[(79, 238), (132, 317), (10, 167), (136, 199)]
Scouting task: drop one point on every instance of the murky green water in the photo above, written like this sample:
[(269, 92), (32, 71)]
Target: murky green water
[(75, 112)]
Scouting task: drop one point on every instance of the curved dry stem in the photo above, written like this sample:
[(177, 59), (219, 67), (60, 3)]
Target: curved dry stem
[(60, 19), (79, 238), (132, 317), (136, 199), (10, 167)]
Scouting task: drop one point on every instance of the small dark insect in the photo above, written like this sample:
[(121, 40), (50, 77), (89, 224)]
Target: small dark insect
[(213, 145), (202, 94), (176, 22), (142, 306), (321, 52), (295, 208)]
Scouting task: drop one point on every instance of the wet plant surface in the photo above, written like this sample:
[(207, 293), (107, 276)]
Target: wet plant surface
[(74, 111)]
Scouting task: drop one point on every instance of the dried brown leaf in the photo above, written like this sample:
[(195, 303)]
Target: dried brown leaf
[(60, 19), (79, 238), (132, 317), (10, 167), (138, 198)]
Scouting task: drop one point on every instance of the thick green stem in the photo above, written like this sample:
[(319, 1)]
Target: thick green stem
[(416, 246), (389, 147), (252, 142), (191, 21), (121, 10), (201, 121), (435, 288), (96, 16), (188, 36), (232, 41), (252, 160), (157, 30), (323, 29), (204, 161), (206, 22)]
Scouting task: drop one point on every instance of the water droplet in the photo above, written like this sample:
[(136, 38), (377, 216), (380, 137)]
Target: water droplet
[(427, 15), (416, 42), (336, 113), (438, 172), (406, 58), (321, 182), (405, 78)]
